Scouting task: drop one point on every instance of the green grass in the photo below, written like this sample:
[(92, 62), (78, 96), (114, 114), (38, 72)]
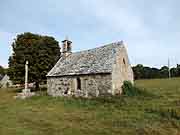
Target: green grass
[(155, 112)]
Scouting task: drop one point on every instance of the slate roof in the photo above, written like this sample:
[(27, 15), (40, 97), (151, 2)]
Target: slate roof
[(93, 61)]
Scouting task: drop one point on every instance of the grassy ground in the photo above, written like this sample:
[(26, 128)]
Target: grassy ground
[(156, 112)]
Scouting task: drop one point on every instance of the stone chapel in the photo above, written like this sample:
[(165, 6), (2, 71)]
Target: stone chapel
[(90, 73)]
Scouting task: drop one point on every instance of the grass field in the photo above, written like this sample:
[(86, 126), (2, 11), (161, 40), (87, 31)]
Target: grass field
[(156, 112)]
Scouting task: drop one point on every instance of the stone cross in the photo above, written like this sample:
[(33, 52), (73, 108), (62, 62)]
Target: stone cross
[(26, 75), (26, 93)]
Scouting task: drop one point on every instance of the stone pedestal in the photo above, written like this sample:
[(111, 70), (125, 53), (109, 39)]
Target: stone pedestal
[(26, 93)]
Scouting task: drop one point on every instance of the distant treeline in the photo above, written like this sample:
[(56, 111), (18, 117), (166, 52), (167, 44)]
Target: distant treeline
[(144, 72), (141, 72)]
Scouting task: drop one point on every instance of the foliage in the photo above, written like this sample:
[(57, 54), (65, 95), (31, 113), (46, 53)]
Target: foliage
[(178, 70), (131, 90), (42, 52), (143, 72), (2, 70), (128, 88)]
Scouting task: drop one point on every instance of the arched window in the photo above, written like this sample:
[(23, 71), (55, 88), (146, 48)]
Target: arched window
[(66, 92), (78, 83), (124, 65), (124, 62)]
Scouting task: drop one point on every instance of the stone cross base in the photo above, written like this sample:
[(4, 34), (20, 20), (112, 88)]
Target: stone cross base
[(26, 93)]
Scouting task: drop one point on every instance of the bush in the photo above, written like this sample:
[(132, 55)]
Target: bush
[(130, 90)]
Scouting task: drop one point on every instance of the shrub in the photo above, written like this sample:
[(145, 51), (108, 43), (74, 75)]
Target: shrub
[(130, 90)]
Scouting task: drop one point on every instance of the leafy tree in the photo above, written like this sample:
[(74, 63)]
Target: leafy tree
[(141, 72), (174, 72), (164, 71), (138, 70), (178, 70), (155, 73), (42, 52), (2, 70)]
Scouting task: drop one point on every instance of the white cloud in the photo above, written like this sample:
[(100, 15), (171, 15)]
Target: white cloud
[(6, 40), (148, 44), (150, 28)]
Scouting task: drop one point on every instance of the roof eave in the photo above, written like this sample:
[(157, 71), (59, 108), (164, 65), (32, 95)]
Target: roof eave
[(79, 74)]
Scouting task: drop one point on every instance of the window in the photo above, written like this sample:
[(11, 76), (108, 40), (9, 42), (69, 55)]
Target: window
[(66, 91), (124, 62), (124, 65), (78, 83)]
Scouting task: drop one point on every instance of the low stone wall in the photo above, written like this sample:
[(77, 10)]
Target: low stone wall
[(91, 85)]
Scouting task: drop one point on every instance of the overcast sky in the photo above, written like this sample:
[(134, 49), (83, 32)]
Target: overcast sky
[(150, 28)]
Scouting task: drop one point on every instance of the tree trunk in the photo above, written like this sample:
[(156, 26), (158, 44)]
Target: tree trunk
[(37, 86)]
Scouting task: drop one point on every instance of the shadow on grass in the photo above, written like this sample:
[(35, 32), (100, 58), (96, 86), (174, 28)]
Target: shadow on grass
[(18, 90), (167, 113), (108, 101)]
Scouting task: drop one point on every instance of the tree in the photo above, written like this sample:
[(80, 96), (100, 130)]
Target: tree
[(42, 52), (2, 70), (178, 69), (141, 72), (138, 70), (2, 73), (173, 72), (155, 73), (164, 71)]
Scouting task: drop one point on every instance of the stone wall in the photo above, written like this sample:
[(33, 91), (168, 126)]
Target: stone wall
[(121, 71), (91, 85)]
